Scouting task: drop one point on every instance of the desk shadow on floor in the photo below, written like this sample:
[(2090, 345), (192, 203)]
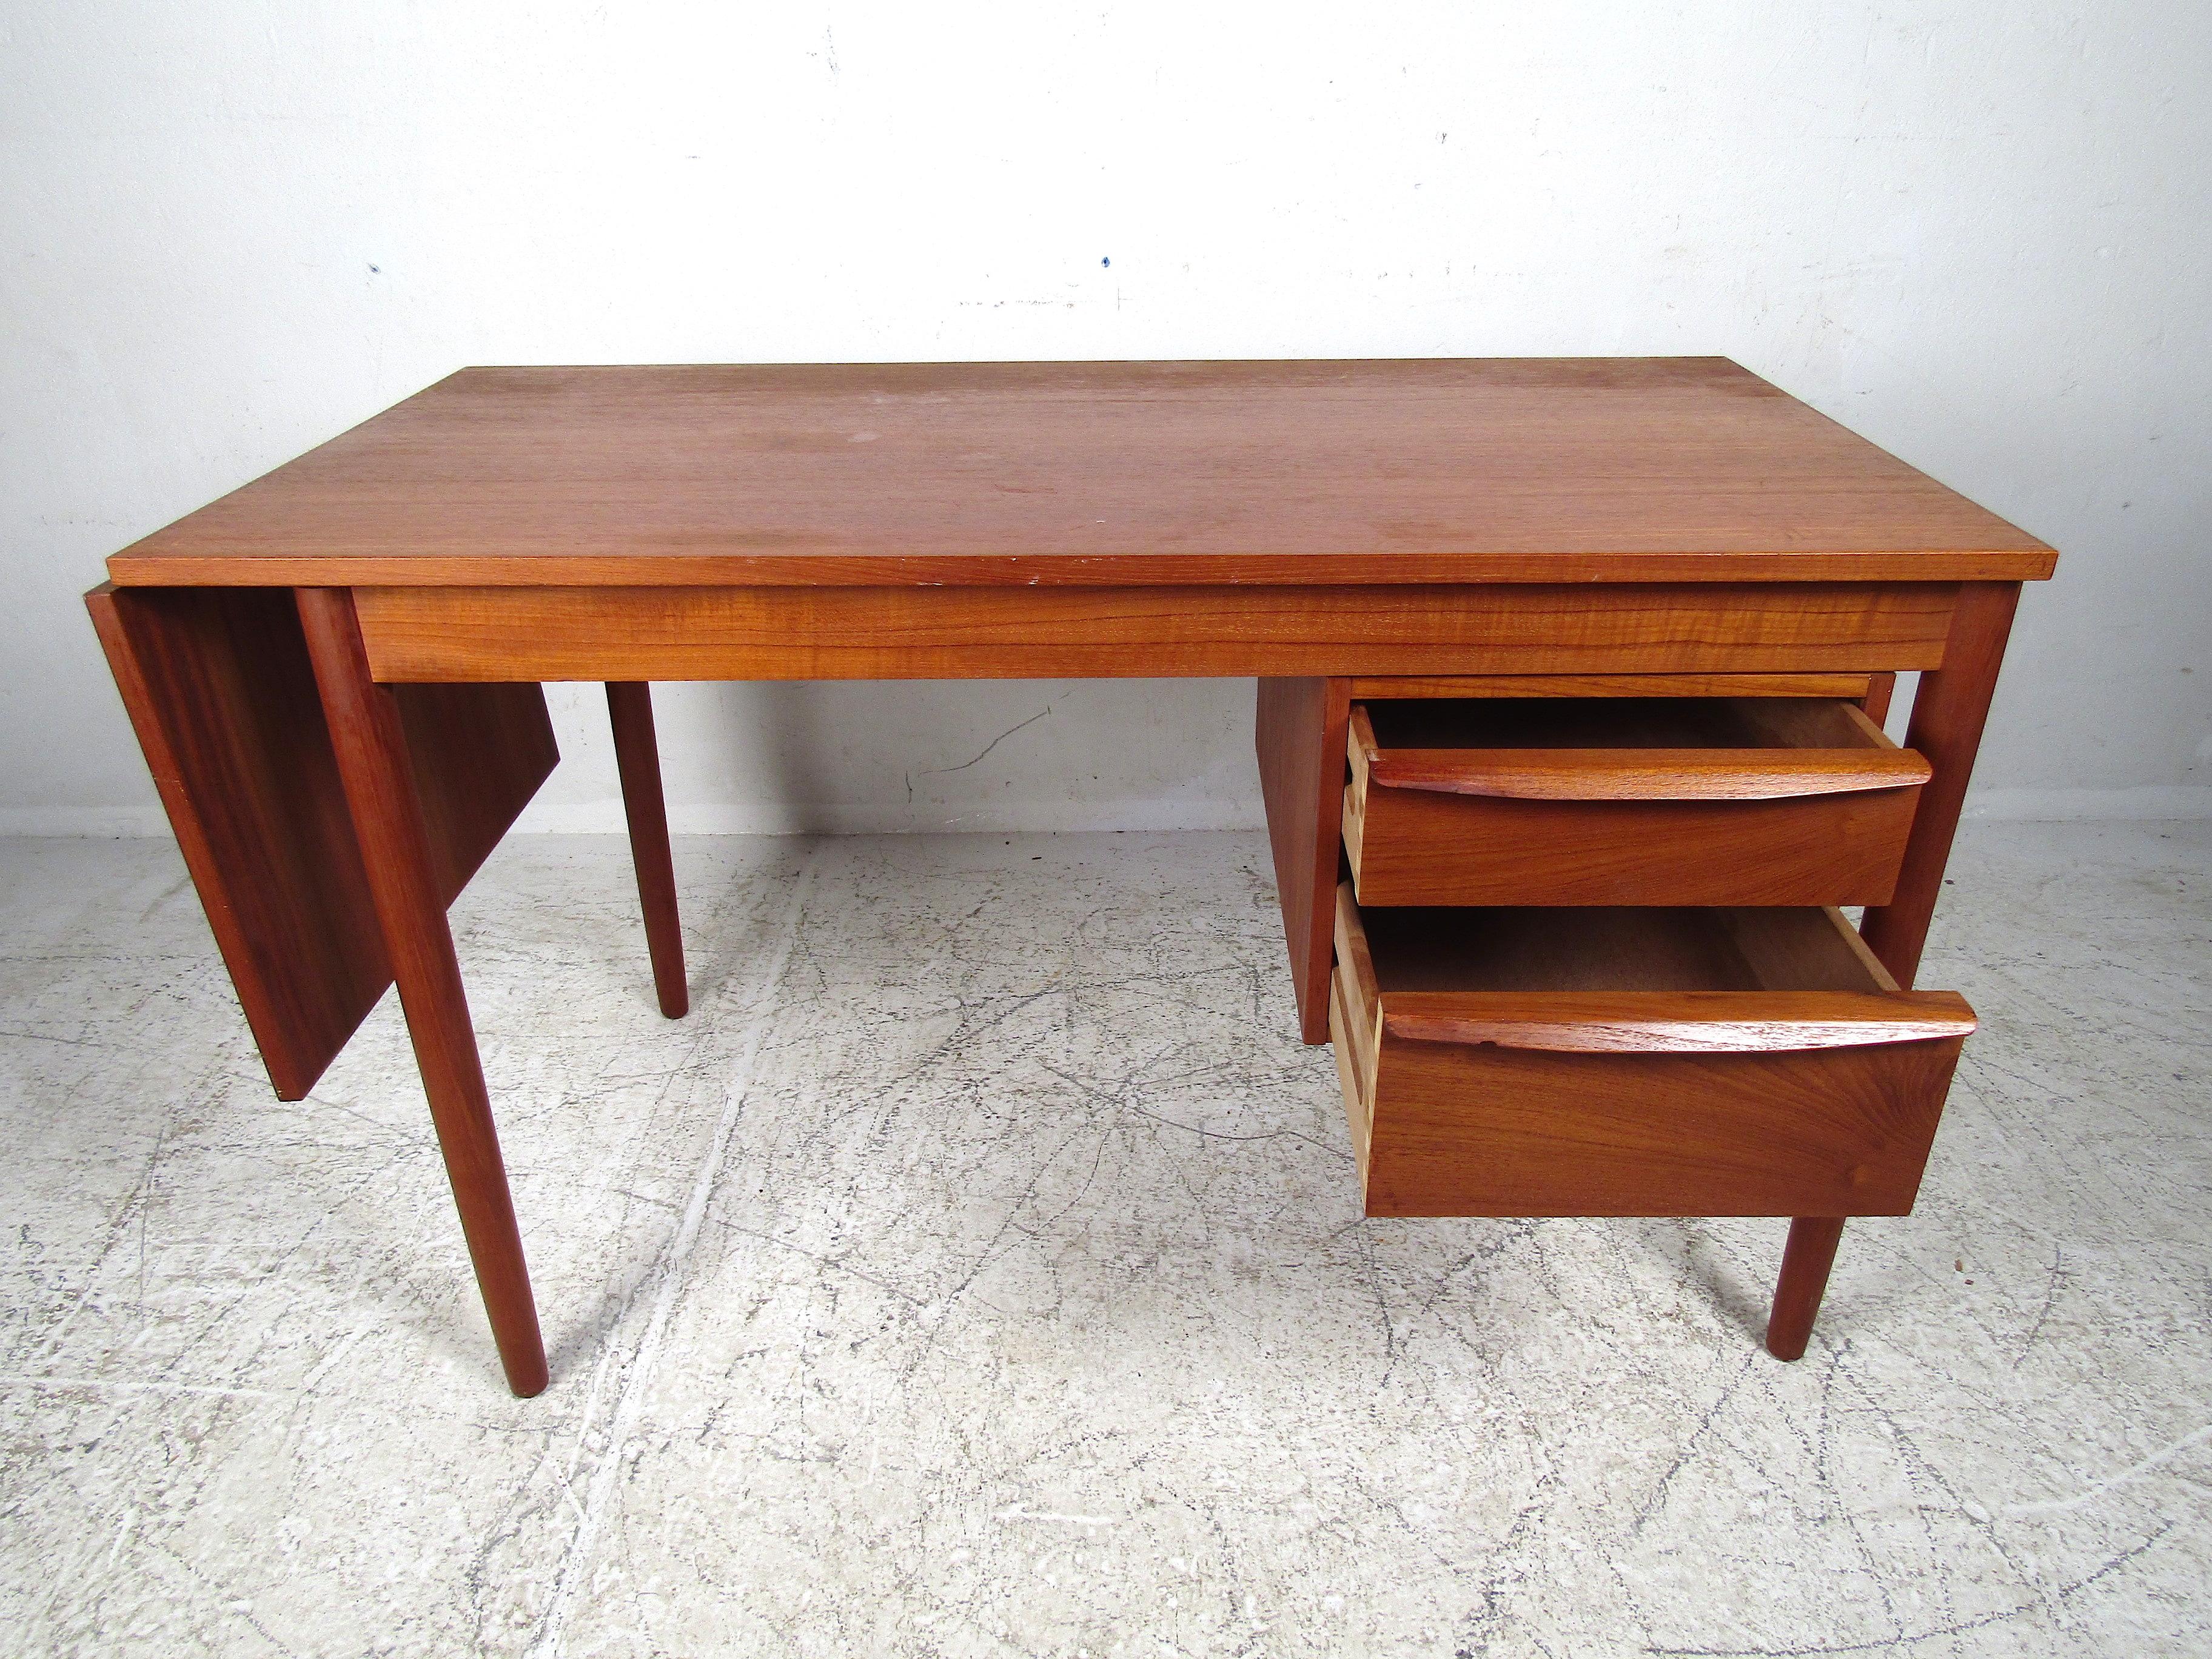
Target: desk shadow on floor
[(1742, 1302)]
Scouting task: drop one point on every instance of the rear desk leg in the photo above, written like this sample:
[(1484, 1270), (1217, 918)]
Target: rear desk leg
[(629, 710), (388, 819), (1880, 689), (1948, 712)]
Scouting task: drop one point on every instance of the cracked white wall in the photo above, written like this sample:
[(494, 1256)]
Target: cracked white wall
[(229, 230)]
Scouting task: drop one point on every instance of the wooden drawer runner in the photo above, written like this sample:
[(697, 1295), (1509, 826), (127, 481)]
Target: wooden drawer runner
[(1753, 1062), (1625, 800)]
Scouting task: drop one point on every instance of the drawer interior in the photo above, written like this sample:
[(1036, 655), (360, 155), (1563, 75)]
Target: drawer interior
[(1624, 723), (1568, 949)]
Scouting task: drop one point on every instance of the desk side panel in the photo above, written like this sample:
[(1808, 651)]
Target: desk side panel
[(220, 695), (1299, 734)]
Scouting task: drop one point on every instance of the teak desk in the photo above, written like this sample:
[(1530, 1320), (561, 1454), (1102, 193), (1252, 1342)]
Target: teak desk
[(1569, 677)]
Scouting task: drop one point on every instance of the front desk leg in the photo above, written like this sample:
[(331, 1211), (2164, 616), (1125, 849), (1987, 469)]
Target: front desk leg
[(371, 749), (1948, 712), (1805, 1260)]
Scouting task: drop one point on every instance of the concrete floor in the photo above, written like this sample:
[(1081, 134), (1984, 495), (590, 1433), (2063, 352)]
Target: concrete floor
[(977, 1271)]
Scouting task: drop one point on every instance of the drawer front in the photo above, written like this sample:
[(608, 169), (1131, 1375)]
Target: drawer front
[(1816, 813), (1638, 1102)]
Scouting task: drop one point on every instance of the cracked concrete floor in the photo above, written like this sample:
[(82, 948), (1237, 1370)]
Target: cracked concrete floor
[(977, 1271)]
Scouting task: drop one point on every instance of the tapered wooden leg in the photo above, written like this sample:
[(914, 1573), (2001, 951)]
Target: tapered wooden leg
[(379, 783), (638, 756), (1805, 1260), (1948, 712)]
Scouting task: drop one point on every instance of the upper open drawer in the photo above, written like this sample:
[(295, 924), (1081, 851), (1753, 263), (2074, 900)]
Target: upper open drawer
[(1701, 800)]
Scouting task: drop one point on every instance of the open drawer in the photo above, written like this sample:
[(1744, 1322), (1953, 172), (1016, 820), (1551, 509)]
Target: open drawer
[(1625, 800), (1754, 1061)]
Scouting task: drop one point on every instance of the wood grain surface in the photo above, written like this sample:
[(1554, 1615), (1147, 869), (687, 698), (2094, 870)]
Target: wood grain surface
[(1467, 1130), (1327, 472), (976, 633), (220, 692), (1795, 801)]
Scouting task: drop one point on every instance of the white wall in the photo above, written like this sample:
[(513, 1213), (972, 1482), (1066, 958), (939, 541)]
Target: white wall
[(1976, 232)]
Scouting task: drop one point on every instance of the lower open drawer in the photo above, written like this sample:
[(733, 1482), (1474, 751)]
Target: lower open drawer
[(1754, 1061)]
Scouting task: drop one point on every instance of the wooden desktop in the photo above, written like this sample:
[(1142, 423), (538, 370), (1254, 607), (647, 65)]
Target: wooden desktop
[(1571, 673)]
